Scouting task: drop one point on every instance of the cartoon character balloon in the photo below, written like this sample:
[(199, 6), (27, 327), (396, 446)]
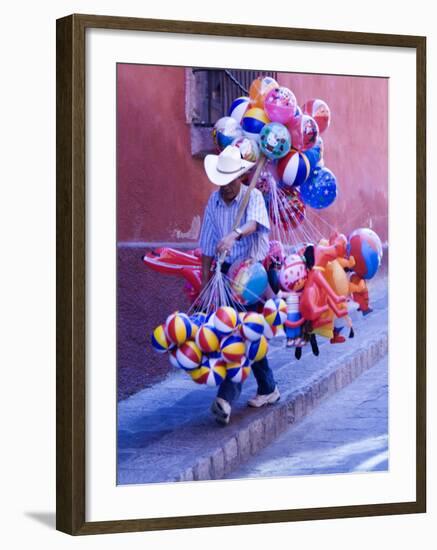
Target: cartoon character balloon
[(319, 110), (275, 141), (305, 133), (280, 105)]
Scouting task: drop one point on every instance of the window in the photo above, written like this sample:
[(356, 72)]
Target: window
[(209, 94)]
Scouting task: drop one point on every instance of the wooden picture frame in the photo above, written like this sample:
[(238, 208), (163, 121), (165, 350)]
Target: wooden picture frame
[(71, 253)]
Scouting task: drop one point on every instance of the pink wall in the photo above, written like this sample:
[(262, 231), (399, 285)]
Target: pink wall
[(161, 187)]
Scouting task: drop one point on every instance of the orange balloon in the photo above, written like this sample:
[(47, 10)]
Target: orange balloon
[(259, 88)]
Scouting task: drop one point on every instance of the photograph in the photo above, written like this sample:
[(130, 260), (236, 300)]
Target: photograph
[(252, 274)]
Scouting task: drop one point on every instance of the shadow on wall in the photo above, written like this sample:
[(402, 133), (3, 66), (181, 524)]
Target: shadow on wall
[(144, 299)]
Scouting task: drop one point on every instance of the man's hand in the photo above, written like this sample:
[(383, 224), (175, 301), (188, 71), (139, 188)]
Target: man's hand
[(226, 244)]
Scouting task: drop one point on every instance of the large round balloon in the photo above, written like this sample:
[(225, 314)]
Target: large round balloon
[(238, 371), (210, 372), (275, 140), (248, 281), (365, 246), (238, 108), (160, 341), (304, 135), (259, 88), (319, 110), (249, 149), (280, 105), (225, 130), (320, 189), (253, 122), (294, 168)]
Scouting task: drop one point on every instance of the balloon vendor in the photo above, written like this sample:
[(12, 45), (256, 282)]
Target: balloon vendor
[(248, 241)]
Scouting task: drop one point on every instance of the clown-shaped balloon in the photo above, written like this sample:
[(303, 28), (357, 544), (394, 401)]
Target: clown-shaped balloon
[(275, 140), (293, 278), (225, 131), (259, 89), (319, 110), (280, 105)]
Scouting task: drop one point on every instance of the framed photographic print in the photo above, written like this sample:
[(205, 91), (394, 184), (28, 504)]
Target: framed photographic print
[(241, 323)]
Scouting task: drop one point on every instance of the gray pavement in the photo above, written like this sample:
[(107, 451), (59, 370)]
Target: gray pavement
[(167, 433), (347, 433)]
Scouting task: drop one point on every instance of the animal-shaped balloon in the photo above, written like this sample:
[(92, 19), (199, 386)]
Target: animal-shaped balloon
[(318, 297)]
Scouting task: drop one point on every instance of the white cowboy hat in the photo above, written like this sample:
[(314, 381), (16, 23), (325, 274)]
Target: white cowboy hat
[(227, 166)]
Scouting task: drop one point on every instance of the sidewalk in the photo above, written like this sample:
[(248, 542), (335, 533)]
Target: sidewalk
[(347, 433), (166, 432)]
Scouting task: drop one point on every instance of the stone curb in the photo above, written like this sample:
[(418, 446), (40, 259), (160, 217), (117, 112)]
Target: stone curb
[(293, 407)]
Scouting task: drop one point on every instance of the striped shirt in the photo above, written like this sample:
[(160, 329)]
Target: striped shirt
[(219, 220)]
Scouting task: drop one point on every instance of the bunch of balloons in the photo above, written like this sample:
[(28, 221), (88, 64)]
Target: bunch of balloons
[(269, 121), (219, 345)]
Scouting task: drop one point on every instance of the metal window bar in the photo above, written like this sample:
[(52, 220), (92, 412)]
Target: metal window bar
[(216, 89)]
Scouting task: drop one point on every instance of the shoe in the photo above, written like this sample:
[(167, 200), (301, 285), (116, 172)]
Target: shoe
[(221, 410), (298, 352), (351, 333), (261, 400)]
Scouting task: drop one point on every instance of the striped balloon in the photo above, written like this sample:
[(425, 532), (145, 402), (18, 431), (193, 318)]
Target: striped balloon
[(275, 311), (178, 328), (207, 339), (160, 340), (173, 359), (294, 168), (225, 319), (209, 373), (257, 350), (238, 108), (238, 371), (269, 331), (253, 326), (253, 122), (232, 348), (189, 355)]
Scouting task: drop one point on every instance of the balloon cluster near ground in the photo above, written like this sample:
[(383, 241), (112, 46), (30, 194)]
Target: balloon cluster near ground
[(221, 344), (312, 273)]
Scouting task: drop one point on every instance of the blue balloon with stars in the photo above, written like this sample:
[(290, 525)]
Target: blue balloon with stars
[(320, 189)]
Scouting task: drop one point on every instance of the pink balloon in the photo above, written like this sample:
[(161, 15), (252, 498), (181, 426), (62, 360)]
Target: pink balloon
[(280, 105)]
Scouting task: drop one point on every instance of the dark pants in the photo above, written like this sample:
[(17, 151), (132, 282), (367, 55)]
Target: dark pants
[(229, 391)]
